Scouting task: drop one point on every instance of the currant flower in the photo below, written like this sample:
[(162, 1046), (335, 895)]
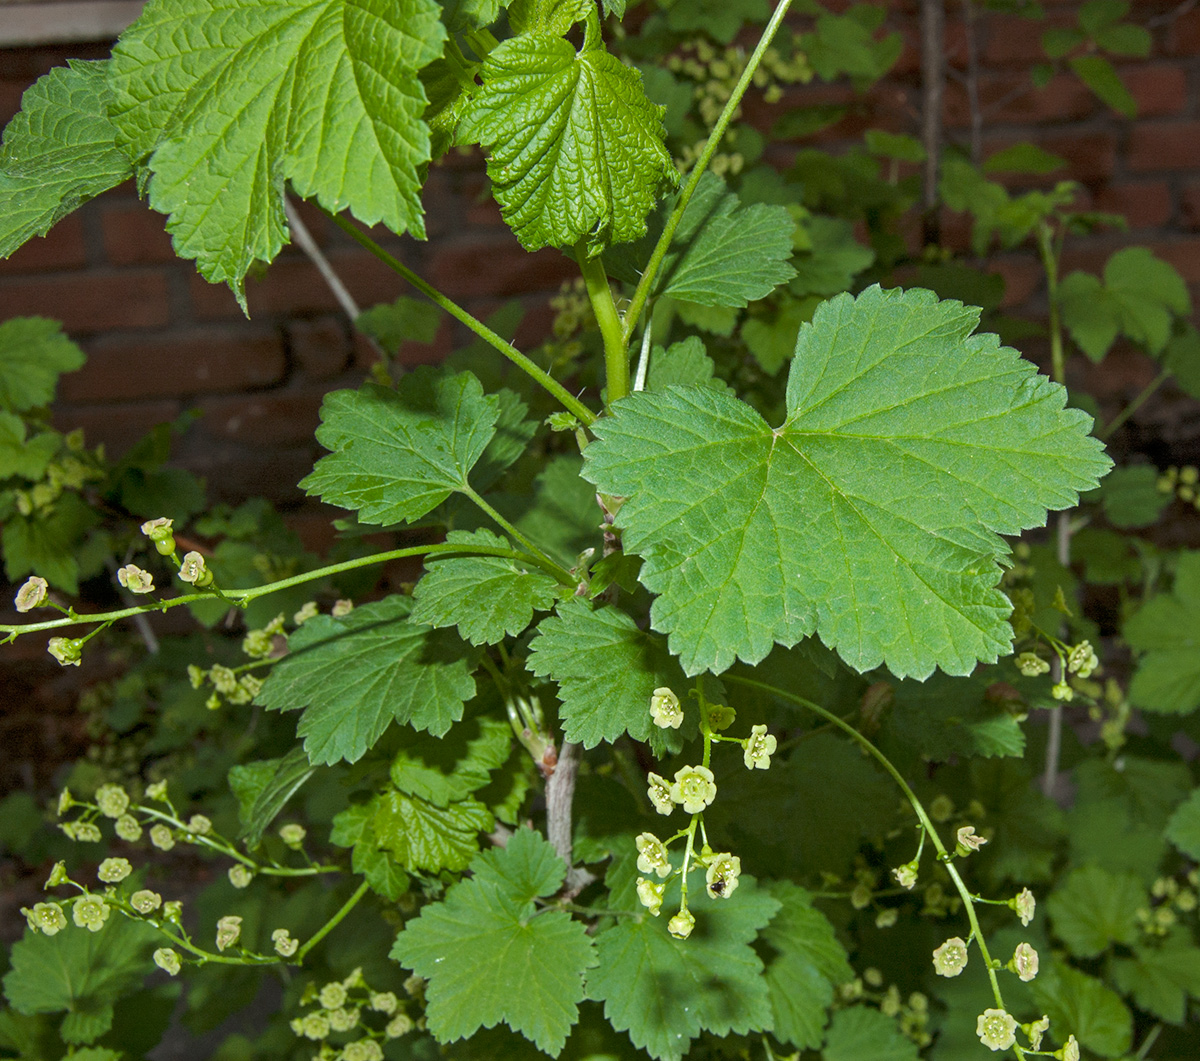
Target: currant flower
[(65, 801), (650, 895), (362, 1050), (160, 837), (58, 875), (285, 945), (950, 958), (90, 912), (84, 832), (45, 917), (134, 579), (665, 709), (168, 961), (308, 611), (996, 1029), (112, 800), (721, 878), (240, 876), (759, 747), (194, 570), (681, 925), (173, 911), (292, 834), (157, 791), (720, 717), (906, 875), (383, 1002), (400, 1025), (1031, 665), (145, 901), (693, 788), (659, 792), (341, 608), (159, 532), (199, 824), (1062, 691), (314, 1026), (32, 594), (414, 986), (66, 650), (1036, 1030), (652, 855), (343, 1018), (967, 840), (1024, 962), (1082, 660), (114, 870), (128, 828), (1023, 905), (332, 995), (228, 930), (1070, 1050)]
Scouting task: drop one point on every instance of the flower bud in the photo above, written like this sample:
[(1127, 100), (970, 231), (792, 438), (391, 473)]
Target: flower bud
[(681, 925), (66, 650), (157, 792), (58, 875)]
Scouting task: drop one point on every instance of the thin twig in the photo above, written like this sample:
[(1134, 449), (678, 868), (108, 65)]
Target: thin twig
[(933, 83), (560, 794)]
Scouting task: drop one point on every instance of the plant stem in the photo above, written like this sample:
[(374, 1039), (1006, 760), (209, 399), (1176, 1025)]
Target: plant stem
[(646, 283), (933, 83), (561, 573), (333, 922), (1050, 265), (548, 382), (616, 357), (245, 596), (1134, 405)]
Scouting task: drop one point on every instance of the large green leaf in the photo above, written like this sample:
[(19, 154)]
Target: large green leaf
[(1161, 978), (36, 353), (575, 149), (664, 991), (285, 779), (872, 515), (490, 956), (1167, 630), (1081, 1004), (227, 99), (1183, 828), (24, 457), (446, 769), (1093, 909), (356, 675), (862, 1032), (430, 838), (58, 152), (398, 454), (945, 717)]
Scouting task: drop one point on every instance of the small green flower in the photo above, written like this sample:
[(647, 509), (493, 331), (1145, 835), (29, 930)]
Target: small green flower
[(224, 679), (665, 709), (1070, 1050), (1036, 1030), (967, 841), (362, 1050), (681, 925), (160, 837), (341, 608), (693, 788), (240, 876), (258, 644), (127, 828), (652, 855), (343, 1019), (950, 958), (1024, 962), (721, 878), (196, 676), (1062, 691), (157, 792), (292, 834), (401, 1024), (145, 901), (199, 824), (90, 912), (58, 875), (759, 747), (332, 995), (134, 579), (660, 794), (308, 611), (906, 875), (114, 870), (84, 832), (159, 532), (112, 800), (996, 1029), (1082, 660), (32, 594), (383, 1002), (46, 917), (284, 944), (168, 961), (66, 650), (720, 717), (228, 930), (173, 911), (1031, 665), (887, 918), (65, 801), (194, 570), (314, 1026), (1023, 905), (650, 895), (414, 986)]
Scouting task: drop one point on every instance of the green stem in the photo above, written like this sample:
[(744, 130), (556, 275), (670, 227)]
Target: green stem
[(565, 397), (1134, 405), (645, 284), (245, 596), (1050, 265), (543, 561), (333, 922), (616, 356)]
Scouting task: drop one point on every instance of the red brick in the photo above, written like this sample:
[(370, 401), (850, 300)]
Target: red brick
[(274, 418), (1012, 39), (118, 427), (1144, 204), (1190, 205), (498, 266), (1064, 99), (90, 302), (1164, 145), (199, 361), (1184, 254), (1089, 156), (1023, 276), (320, 348), (1183, 36), (1160, 89), (61, 248), (135, 235)]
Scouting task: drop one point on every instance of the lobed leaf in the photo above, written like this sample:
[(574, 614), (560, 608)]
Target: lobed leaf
[(36, 353)]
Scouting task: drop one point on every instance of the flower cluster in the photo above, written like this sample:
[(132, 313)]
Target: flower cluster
[(350, 1010)]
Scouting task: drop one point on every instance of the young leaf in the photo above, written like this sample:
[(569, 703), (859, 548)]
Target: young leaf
[(1098, 74), (1167, 629), (398, 454), (1183, 830), (286, 779), (1161, 978), (36, 353), (58, 152), (227, 99), (486, 597), (1094, 1013), (575, 148), (446, 769), (908, 448), (1131, 497), (682, 364), (861, 1032), (1092, 909), (354, 676), (427, 838), (24, 457), (489, 959), (946, 717), (664, 991)]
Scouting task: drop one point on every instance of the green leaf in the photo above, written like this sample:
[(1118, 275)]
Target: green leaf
[(908, 447), (1167, 630), (1131, 497), (354, 676), (1059, 41), (1183, 829), (513, 432), (228, 99), (720, 19), (446, 769), (772, 339), (861, 1032), (247, 780), (429, 838), (58, 152), (79, 971), (1023, 158), (46, 544), (562, 517), (946, 717), (683, 364), (1096, 15), (901, 147), (289, 774), (664, 991), (575, 149), (844, 44), (1150, 291), (26, 458), (488, 958), (606, 669), (486, 597), (1082, 1004), (1125, 40), (36, 353), (1160, 978), (355, 828), (1092, 909), (832, 260), (394, 323), (398, 454), (724, 253), (1098, 74)]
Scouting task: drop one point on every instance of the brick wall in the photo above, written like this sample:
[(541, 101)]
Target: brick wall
[(161, 341)]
